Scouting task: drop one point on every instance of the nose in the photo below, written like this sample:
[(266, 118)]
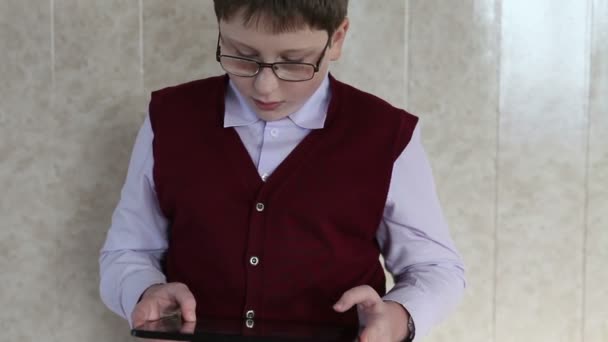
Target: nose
[(265, 81)]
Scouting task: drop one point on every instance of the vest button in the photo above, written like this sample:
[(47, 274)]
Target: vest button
[(249, 323), (254, 261), (250, 314), (259, 207)]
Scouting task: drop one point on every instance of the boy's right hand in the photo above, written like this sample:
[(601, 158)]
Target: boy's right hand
[(162, 300)]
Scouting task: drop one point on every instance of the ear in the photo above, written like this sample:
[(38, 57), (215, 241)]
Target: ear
[(337, 41)]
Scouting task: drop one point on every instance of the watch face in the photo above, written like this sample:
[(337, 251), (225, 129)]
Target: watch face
[(411, 328)]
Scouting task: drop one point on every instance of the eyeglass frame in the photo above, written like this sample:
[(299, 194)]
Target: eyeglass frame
[(316, 67)]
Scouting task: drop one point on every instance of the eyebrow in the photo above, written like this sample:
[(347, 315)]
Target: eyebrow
[(236, 42)]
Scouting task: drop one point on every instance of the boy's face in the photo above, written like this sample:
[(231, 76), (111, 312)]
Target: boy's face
[(270, 97)]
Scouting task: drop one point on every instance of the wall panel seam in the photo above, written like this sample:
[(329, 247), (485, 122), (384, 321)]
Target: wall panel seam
[(408, 62), (406, 56), (498, 8), (52, 47), (587, 110), (141, 46)]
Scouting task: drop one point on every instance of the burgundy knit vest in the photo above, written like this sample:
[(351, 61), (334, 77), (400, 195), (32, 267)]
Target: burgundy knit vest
[(284, 249)]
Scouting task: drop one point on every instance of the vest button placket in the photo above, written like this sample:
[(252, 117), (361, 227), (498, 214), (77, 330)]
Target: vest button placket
[(255, 271)]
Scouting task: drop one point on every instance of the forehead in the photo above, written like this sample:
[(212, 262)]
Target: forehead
[(261, 35), (263, 19)]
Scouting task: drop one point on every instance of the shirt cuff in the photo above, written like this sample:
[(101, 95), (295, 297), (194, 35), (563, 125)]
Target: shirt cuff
[(134, 286), (416, 303)]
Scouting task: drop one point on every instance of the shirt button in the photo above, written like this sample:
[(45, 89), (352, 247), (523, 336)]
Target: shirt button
[(264, 177), (274, 132), (254, 261), (250, 314), (259, 207), (249, 323)]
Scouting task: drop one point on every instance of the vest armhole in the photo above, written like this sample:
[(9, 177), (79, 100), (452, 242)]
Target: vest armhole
[(407, 124)]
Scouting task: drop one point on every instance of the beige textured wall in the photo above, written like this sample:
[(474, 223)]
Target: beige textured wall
[(514, 99)]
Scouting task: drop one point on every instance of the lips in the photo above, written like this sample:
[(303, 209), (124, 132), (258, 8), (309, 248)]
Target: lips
[(267, 105)]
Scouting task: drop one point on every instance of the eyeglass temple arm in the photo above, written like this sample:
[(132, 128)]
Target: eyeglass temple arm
[(217, 50), (322, 55)]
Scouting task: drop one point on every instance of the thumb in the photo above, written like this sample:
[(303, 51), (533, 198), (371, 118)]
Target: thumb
[(364, 295), (187, 303)]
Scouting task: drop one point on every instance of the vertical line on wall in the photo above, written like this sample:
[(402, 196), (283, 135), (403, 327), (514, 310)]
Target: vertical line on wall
[(587, 110), (52, 32), (406, 55), (141, 46), (498, 8)]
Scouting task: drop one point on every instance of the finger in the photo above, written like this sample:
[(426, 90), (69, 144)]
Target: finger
[(138, 317), (364, 295), (144, 312), (365, 336), (188, 327), (373, 334), (186, 302)]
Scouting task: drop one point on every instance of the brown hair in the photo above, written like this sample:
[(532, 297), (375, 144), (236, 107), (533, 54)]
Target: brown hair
[(285, 15)]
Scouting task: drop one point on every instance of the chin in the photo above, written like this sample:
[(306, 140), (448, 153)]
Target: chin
[(273, 115)]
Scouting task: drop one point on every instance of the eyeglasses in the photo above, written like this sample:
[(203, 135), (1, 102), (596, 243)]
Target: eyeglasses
[(286, 71)]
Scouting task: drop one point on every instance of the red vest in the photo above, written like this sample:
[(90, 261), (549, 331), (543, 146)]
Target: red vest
[(286, 248)]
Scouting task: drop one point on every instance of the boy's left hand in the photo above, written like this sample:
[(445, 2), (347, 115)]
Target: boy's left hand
[(382, 321)]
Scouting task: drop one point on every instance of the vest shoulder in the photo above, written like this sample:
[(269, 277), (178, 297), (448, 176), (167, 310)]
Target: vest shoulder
[(184, 101), (377, 116)]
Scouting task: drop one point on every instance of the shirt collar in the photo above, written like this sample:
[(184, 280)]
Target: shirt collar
[(237, 112), (311, 115)]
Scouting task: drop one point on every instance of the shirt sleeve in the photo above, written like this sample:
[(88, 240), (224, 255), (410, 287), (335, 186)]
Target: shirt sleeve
[(416, 244), (137, 239)]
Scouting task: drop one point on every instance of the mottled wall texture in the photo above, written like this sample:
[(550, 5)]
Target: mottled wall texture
[(513, 95)]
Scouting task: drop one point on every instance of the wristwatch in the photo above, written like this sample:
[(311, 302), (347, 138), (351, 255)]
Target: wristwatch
[(411, 328)]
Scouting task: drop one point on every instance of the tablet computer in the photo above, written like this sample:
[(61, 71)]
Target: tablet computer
[(211, 330)]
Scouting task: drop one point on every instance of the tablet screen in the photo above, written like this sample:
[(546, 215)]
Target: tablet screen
[(173, 328)]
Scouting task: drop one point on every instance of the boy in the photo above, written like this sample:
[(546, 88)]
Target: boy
[(270, 192)]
